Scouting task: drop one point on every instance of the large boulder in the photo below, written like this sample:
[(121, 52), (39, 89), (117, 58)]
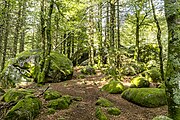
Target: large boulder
[(27, 65), (25, 109), (146, 97), (140, 82), (114, 87)]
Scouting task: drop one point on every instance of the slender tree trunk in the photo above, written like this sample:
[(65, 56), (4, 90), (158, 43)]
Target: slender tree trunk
[(69, 45), (112, 23), (64, 44), (159, 41), (6, 35), (16, 34), (1, 45), (173, 64), (23, 26)]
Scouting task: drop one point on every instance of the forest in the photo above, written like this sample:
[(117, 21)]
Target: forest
[(89, 60)]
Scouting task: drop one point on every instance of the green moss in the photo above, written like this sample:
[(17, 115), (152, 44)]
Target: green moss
[(67, 98), (88, 70), (114, 87), (15, 95), (104, 102), (50, 95), (25, 109), (77, 98), (60, 103), (162, 118), (139, 82), (51, 111), (146, 97), (114, 111), (100, 115)]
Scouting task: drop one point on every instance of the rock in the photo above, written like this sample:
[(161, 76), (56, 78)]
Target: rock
[(100, 115), (25, 109), (146, 97), (26, 68), (60, 103), (15, 95), (114, 87), (50, 95), (88, 70), (114, 111), (139, 82), (161, 117), (104, 102)]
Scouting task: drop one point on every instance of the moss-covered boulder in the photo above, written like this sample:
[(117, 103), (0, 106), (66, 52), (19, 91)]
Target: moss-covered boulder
[(161, 117), (114, 111), (25, 109), (146, 97), (152, 75), (104, 102), (15, 94), (100, 114), (60, 103), (50, 95), (26, 67), (88, 70), (114, 87), (140, 82)]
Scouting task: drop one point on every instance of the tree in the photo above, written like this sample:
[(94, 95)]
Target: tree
[(172, 82), (159, 41)]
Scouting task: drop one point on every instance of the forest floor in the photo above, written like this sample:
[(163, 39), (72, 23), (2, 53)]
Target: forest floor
[(88, 89)]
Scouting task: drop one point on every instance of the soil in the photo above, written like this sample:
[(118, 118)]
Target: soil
[(88, 89)]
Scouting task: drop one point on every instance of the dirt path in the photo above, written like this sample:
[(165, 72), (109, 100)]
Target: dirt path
[(87, 88)]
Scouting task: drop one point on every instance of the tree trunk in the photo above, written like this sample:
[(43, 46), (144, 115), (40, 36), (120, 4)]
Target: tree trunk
[(159, 41), (112, 23), (173, 64), (6, 35)]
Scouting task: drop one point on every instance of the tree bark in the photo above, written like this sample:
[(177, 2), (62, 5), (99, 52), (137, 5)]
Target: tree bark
[(173, 64)]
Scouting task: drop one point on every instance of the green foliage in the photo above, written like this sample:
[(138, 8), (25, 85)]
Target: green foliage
[(51, 111), (149, 52), (50, 95), (114, 87), (146, 97), (25, 109), (104, 102), (161, 118), (100, 115), (2, 92), (15, 95), (140, 82), (88, 70), (114, 111), (152, 75)]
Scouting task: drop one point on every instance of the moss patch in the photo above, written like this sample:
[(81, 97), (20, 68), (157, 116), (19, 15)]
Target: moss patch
[(146, 97), (50, 95), (60, 103), (162, 118), (25, 109), (139, 82), (51, 111), (104, 102), (16, 95), (114, 111), (114, 87), (100, 115)]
